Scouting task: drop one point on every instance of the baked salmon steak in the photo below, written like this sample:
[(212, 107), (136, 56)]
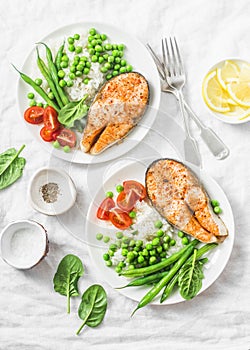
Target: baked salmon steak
[(177, 194), (115, 111)]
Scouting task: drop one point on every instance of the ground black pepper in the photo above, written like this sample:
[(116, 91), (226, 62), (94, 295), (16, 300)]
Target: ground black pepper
[(50, 192)]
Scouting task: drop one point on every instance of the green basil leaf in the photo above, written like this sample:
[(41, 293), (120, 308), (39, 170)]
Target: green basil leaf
[(73, 111), (190, 278), (11, 167), (93, 306), (67, 275)]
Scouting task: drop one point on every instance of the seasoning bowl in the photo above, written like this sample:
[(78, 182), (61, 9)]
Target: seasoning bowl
[(24, 244), (51, 191)]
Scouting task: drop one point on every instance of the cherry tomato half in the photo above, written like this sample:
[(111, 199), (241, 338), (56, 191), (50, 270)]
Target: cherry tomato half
[(126, 201), (34, 115), (120, 219), (66, 137), (135, 186), (50, 119), (46, 134), (104, 208)]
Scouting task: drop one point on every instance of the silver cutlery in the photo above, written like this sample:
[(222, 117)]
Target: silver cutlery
[(210, 138)]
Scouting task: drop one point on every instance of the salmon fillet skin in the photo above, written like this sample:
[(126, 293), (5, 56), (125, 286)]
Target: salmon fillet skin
[(115, 111), (177, 194)]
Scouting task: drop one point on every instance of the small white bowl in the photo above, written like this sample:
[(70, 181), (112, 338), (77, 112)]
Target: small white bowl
[(24, 243), (64, 196), (220, 116)]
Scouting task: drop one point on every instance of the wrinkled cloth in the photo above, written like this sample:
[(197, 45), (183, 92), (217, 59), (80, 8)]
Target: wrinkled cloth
[(32, 315)]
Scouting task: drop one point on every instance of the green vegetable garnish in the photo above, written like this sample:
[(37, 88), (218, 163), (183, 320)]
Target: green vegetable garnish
[(73, 111)]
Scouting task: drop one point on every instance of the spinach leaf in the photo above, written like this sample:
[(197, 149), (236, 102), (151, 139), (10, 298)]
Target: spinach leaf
[(190, 278), (67, 275), (73, 111), (93, 306), (11, 167)]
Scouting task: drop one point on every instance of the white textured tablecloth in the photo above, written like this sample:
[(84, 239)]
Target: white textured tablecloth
[(32, 315)]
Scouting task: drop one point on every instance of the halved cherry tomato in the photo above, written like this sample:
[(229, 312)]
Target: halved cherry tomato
[(120, 219), (135, 186), (126, 201), (104, 209), (50, 119), (46, 134), (66, 137), (34, 115)]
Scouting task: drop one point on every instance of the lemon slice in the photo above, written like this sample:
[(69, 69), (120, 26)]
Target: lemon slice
[(214, 95), (240, 93), (244, 75), (228, 73)]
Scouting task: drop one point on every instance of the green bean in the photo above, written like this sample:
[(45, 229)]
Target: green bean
[(53, 72), (161, 265), (158, 287), (169, 287), (145, 280), (45, 72), (38, 89), (59, 56)]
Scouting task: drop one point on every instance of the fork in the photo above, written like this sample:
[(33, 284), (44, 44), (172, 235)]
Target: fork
[(211, 139), (175, 77)]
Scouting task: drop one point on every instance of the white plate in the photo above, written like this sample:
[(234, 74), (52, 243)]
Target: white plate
[(136, 54), (218, 258)]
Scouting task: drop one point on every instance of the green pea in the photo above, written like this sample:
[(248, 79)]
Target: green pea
[(94, 58), (185, 240), (217, 210), (117, 67), (109, 263), (132, 243), (149, 246), (109, 194), (65, 58), (80, 67), (111, 59), (84, 58), (117, 60), (92, 31), (98, 48), (130, 256), (107, 65), (129, 68), (88, 64), (38, 81), (76, 36), (72, 76), (39, 104), (139, 243), (70, 83), (56, 144), (166, 239), (91, 51), (115, 53), (160, 233), (61, 73), (215, 203), (158, 224), (122, 70), (145, 252), (106, 239), (32, 103), (72, 69), (106, 257), (30, 95), (64, 64), (119, 235), (66, 149), (124, 252), (137, 249), (131, 267), (180, 234), (115, 73), (105, 56), (62, 83), (97, 36), (163, 254), (124, 245), (120, 54), (140, 259), (86, 81), (51, 95), (100, 59), (86, 71), (71, 48), (121, 264), (104, 69), (132, 214), (78, 49), (159, 249), (152, 252), (77, 59), (114, 47), (71, 40), (99, 236), (172, 242), (123, 63), (99, 42), (78, 73), (113, 247), (103, 37), (125, 240), (152, 260), (121, 47), (118, 269), (165, 246), (119, 188)]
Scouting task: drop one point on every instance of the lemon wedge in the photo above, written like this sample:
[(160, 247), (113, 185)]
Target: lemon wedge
[(239, 112), (214, 95), (240, 93), (228, 73)]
